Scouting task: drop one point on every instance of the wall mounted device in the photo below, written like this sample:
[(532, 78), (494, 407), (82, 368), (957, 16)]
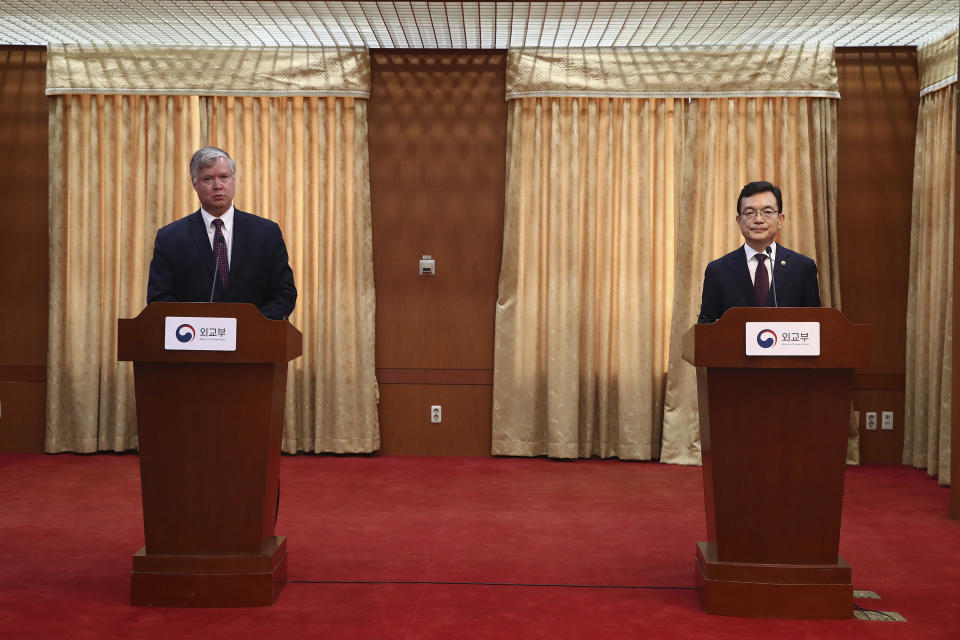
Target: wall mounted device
[(886, 422), (428, 266)]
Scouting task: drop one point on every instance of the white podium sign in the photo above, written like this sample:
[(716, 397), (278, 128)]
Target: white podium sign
[(783, 338), (185, 333)]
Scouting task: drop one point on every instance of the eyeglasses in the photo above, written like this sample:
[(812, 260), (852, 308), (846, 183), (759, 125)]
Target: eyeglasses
[(767, 212)]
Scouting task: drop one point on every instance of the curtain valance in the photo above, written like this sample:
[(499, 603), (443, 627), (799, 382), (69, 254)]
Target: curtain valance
[(207, 71), (672, 72), (937, 64)]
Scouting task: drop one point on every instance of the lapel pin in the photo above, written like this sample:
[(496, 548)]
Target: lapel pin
[(783, 263)]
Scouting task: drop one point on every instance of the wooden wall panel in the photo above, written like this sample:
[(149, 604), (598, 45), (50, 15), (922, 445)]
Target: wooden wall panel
[(876, 131), (23, 247), (437, 123), (23, 217), (880, 447), (405, 426), (22, 410), (437, 136)]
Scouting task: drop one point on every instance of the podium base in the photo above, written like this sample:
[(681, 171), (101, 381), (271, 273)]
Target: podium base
[(812, 592), (175, 580)]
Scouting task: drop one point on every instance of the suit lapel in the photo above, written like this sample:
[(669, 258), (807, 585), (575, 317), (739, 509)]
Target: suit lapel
[(737, 263), (238, 253), (782, 268), (201, 241)]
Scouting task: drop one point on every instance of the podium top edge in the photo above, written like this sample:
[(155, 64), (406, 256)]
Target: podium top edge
[(739, 315), (237, 309), (844, 345), (141, 339)]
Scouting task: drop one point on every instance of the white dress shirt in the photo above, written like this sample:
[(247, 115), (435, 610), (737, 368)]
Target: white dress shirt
[(227, 230), (752, 261)]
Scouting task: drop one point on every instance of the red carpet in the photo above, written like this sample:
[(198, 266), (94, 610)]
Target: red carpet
[(621, 534)]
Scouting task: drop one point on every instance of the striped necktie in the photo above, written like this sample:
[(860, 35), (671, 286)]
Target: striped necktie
[(220, 252)]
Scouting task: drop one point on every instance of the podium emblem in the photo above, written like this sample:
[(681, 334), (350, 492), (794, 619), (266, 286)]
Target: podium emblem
[(185, 333), (782, 338), (199, 334)]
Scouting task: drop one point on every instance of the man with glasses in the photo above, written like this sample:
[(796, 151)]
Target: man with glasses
[(219, 253), (761, 273)]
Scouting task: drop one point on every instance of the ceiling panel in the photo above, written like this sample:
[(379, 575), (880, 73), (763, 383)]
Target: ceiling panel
[(477, 25)]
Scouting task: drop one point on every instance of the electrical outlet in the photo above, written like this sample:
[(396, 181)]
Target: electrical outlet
[(435, 414), (887, 423), (871, 420)]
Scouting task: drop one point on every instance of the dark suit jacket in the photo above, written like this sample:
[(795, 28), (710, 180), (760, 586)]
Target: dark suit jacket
[(182, 269), (726, 283)]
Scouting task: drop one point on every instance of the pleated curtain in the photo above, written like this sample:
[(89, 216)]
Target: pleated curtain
[(929, 363), (124, 123), (789, 141), (623, 172), (583, 314)]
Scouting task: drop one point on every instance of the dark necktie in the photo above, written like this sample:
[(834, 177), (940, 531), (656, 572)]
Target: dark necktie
[(761, 282), (220, 252)]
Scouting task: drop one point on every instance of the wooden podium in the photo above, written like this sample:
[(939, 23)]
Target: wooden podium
[(210, 425), (773, 432)]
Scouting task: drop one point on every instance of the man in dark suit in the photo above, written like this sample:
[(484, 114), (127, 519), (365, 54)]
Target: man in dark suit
[(220, 253), (743, 278)]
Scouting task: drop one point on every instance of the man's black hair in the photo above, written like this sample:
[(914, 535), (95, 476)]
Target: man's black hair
[(754, 188)]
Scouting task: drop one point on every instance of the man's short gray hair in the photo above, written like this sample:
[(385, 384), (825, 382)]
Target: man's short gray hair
[(207, 156)]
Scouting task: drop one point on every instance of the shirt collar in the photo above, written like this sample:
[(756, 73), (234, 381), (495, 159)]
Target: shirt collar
[(227, 218), (752, 252)]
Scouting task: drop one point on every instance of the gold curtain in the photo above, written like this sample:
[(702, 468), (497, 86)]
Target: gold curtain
[(929, 366), (583, 314), (113, 160), (623, 170), (302, 162), (118, 166), (731, 141)]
